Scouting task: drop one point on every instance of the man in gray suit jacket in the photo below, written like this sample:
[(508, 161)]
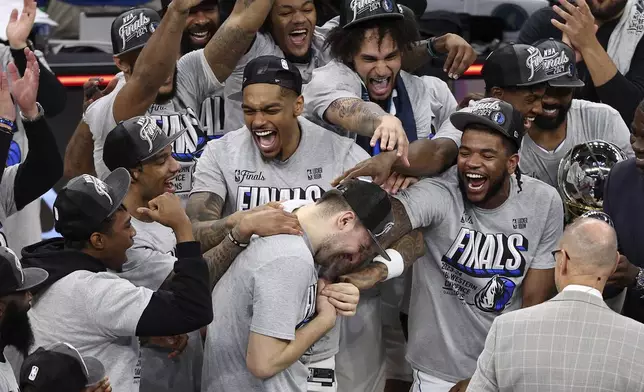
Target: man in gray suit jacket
[(573, 342)]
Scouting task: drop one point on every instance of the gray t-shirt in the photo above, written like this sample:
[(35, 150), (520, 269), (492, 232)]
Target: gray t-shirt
[(195, 82), (233, 168), (7, 200), (270, 289), (431, 99), (97, 313), (149, 262), (8, 381), (586, 121), (475, 263), (265, 45)]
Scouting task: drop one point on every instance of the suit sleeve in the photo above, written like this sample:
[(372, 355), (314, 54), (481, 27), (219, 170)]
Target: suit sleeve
[(484, 378)]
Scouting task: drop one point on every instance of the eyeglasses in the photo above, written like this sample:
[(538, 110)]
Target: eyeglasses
[(554, 253)]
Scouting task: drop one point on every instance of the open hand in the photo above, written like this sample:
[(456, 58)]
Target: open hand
[(397, 182), (378, 167), (579, 28), (392, 136), (25, 89), (460, 54), (20, 26), (7, 107), (184, 5), (176, 343), (266, 222)]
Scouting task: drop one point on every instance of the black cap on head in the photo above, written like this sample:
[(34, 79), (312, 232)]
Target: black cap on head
[(270, 70), (355, 12), (372, 207), (134, 141), (85, 202), (14, 278), (494, 113), (60, 367), (132, 29), (515, 65), (559, 61)]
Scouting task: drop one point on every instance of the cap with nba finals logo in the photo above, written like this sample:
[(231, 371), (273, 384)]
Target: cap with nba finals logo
[(60, 367), (132, 29), (372, 207), (14, 278), (355, 12), (559, 61), (135, 141), (86, 201), (514, 65), (494, 113), (270, 70)]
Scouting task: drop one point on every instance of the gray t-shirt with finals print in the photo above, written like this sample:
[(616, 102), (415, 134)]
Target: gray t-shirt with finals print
[(234, 168), (270, 290), (475, 264), (195, 82), (586, 121), (265, 45), (431, 99), (97, 313), (149, 262)]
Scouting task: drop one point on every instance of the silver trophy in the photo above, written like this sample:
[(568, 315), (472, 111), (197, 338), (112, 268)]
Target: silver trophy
[(582, 174)]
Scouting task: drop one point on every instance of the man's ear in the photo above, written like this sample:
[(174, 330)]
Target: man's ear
[(346, 220), (496, 92), (135, 173), (97, 240), (122, 65), (513, 163), (298, 106)]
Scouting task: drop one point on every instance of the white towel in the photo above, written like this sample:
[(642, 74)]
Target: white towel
[(627, 34)]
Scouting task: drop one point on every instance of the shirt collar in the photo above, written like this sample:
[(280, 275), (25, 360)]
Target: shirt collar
[(585, 289)]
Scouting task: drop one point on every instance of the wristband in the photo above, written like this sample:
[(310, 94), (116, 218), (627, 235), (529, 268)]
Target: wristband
[(431, 49), (395, 266), (8, 123), (234, 241)]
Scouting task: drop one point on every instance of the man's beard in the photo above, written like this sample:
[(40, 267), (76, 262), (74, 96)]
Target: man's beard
[(16, 330), (494, 188), (165, 97), (188, 46), (549, 123), (609, 12)]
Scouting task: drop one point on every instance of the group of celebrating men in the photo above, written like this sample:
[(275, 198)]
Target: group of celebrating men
[(247, 197)]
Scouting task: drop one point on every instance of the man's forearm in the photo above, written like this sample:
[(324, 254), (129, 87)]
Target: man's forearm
[(599, 64), (416, 57), (235, 35), (220, 258), (204, 210), (428, 157), (355, 115), (79, 157)]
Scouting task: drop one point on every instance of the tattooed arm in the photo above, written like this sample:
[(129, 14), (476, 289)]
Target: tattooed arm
[(411, 246), (235, 35), (209, 228)]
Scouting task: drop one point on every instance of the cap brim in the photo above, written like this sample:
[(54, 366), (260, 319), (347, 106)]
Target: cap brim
[(169, 140), (130, 50), (381, 230), (460, 120), (379, 248), (119, 181), (538, 81), (393, 15), (33, 277), (566, 81)]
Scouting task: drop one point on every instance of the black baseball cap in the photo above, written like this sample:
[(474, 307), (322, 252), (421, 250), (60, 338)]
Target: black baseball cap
[(86, 201), (559, 60), (514, 65), (372, 206), (14, 278), (355, 12), (60, 367), (494, 113), (270, 70), (132, 29), (134, 141)]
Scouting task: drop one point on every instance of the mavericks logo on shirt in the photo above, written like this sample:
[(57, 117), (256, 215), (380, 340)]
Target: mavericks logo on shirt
[(252, 196), (479, 255)]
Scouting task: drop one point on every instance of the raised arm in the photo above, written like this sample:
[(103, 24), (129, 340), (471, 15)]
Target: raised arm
[(235, 36), (458, 54), (154, 64)]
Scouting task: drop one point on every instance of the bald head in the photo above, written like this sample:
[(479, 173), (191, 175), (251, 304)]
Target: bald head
[(592, 246)]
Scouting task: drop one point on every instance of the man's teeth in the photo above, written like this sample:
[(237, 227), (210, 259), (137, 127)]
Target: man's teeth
[(199, 34), (530, 118), (263, 133), (300, 31), (474, 176), (550, 111), (379, 80)]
